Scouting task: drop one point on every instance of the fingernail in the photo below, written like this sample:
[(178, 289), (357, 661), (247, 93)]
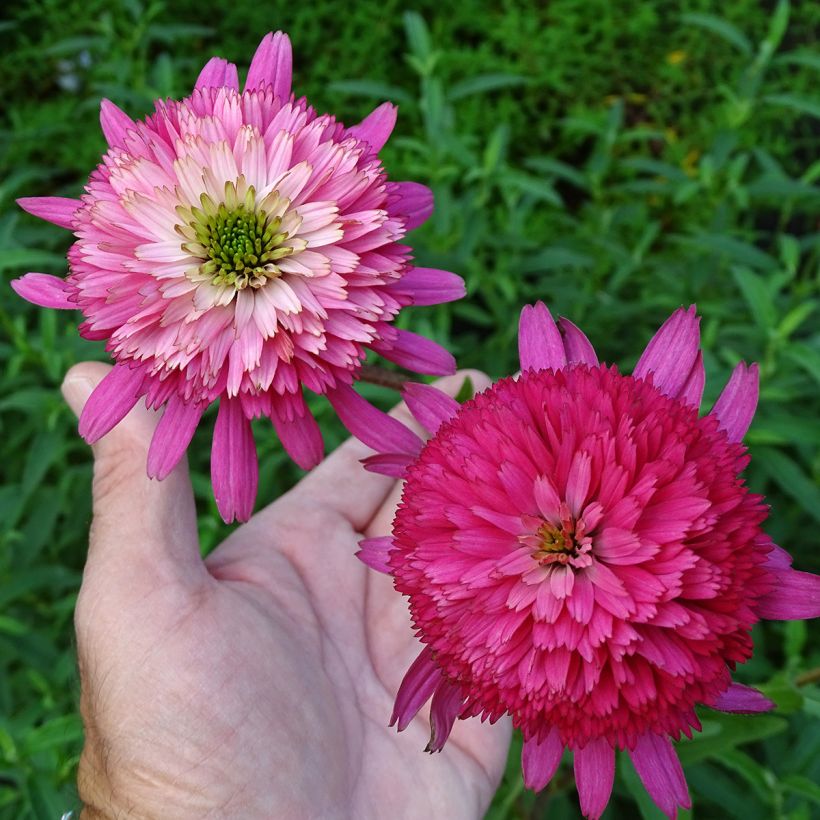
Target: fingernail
[(76, 390)]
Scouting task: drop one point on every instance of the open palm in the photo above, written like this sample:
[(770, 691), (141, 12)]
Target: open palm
[(257, 683)]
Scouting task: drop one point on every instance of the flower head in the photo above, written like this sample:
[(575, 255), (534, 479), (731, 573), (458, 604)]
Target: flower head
[(580, 551), (238, 246)]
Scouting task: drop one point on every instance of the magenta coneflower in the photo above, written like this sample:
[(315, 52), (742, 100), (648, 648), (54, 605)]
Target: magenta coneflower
[(238, 246), (580, 552)]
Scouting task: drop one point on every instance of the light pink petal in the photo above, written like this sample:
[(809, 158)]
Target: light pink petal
[(671, 353), (415, 202), (692, 390), (576, 345), (416, 689), (301, 438), (539, 761), (370, 425), (540, 346), (234, 468), (393, 465), (429, 286), (375, 552), (44, 290), (742, 699), (444, 709), (659, 768), (110, 402), (56, 209), (173, 435), (272, 65), (795, 596), (736, 405), (115, 123), (594, 775), (429, 405), (218, 73), (417, 353), (376, 127)]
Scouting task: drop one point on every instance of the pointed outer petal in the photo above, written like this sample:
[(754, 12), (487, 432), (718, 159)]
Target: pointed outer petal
[(173, 435), (671, 352), (44, 290), (540, 346), (430, 407), (692, 391), (430, 286), (416, 688), (376, 127), (301, 438), (218, 73), (736, 405), (539, 761), (110, 402), (657, 764), (417, 353), (576, 345), (115, 123), (370, 425), (375, 552), (444, 709), (594, 775), (742, 699), (58, 210), (272, 64), (795, 596), (415, 202), (234, 468), (390, 464)]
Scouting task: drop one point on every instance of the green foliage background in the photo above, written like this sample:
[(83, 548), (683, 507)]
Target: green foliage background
[(616, 159)]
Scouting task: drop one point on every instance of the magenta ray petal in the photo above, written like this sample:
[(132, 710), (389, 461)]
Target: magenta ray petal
[(44, 290), (300, 436), (417, 687), (692, 390), (742, 699), (736, 405), (539, 761), (594, 776), (659, 768), (444, 709), (415, 201), (272, 65), (110, 402), (794, 596), (234, 468), (430, 286), (671, 353), (540, 346), (376, 127), (429, 405), (370, 425), (576, 345), (218, 73), (375, 553), (58, 210), (417, 353), (173, 435), (393, 465), (115, 123)]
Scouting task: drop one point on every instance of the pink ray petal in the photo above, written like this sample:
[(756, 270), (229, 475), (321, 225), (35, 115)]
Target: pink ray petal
[(415, 202), (429, 286), (272, 65), (736, 405), (417, 353), (375, 552), (417, 687), (672, 352), (218, 73), (301, 437), (44, 290), (429, 405), (115, 124), (110, 402), (393, 465), (540, 346), (173, 435), (444, 709), (234, 468), (660, 771), (794, 596), (742, 699), (576, 345), (692, 390), (58, 210), (594, 776), (539, 761), (376, 127)]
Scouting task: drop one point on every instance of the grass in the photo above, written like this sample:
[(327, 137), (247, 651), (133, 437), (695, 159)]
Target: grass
[(614, 159)]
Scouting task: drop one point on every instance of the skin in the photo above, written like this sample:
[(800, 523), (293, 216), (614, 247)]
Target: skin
[(258, 683)]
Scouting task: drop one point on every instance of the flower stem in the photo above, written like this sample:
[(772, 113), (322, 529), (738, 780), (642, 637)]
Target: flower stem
[(374, 374)]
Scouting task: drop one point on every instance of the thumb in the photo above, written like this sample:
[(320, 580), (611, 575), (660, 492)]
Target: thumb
[(144, 531)]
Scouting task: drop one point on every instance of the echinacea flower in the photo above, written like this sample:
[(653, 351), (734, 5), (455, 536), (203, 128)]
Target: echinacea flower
[(580, 552), (236, 246)]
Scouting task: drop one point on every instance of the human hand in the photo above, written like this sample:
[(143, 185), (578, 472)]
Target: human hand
[(258, 683)]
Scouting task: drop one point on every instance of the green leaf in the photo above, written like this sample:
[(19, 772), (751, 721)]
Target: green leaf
[(721, 28), (726, 732), (483, 83), (556, 258), (791, 478), (372, 89), (803, 105), (802, 786), (756, 292)]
